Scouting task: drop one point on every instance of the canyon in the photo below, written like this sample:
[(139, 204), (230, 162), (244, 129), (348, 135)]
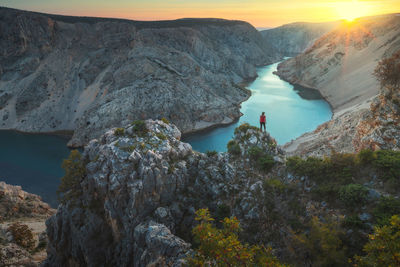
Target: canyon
[(88, 74), (128, 90)]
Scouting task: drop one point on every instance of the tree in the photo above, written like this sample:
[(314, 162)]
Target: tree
[(22, 235), (321, 245), (75, 171), (388, 71), (221, 247), (383, 247)]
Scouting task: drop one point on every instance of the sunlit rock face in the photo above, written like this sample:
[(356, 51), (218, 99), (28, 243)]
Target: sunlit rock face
[(340, 63), (90, 74)]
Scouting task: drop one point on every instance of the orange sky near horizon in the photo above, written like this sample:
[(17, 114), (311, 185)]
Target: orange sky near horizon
[(260, 13)]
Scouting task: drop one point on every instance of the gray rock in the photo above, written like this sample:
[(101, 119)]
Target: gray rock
[(373, 194), (365, 216)]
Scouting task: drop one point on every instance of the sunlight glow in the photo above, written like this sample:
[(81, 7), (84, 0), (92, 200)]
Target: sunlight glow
[(350, 10)]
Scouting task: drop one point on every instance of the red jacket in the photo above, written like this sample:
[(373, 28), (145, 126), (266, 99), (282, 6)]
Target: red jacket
[(262, 118)]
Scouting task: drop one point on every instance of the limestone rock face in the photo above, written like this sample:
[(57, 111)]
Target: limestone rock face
[(292, 39), (91, 74), (136, 204), (374, 124)]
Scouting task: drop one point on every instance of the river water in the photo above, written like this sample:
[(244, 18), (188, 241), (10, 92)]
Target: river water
[(33, 161), (290, 111)]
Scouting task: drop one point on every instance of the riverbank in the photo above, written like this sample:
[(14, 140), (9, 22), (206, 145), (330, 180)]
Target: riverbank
[(291, 111)]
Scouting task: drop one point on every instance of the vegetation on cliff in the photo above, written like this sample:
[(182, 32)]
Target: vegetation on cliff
[(222, 247), (388, 71)]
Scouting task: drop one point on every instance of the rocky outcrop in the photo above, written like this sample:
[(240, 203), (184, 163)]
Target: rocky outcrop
[(340, 63), (90, 74), (142, 185), (292, 39), (16, 203), (374, 124), (134, 203), (18, 207)]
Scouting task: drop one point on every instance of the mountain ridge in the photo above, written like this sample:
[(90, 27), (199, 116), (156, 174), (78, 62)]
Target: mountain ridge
[(87, 77)]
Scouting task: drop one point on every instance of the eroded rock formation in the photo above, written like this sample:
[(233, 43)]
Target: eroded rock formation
[(140, 191)]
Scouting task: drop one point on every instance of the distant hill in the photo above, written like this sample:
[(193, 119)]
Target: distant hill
[(340, 63), (292, 39)]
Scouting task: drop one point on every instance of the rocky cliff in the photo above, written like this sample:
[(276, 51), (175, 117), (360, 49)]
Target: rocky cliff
[(89, 74), (22, 227), (340, 63), (135, 203), (292, 39)]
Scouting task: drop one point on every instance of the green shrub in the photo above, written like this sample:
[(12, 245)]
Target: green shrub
[(265, 163), (119, 131), (233, 148), (384, 209), (383, 247), (322, 245), (388, 163), (161, 136), (139, 127), (255, 152), (221, 247), (353, 221), (75, 172), (366, 156), (223, 211), (244, 128), (327, 191), (165, 120), (353, 195), (314, 168), (22, 235), (274, 185), (211, 153)]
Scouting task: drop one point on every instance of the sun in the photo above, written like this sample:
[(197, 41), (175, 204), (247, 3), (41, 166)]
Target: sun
[(352, 9)]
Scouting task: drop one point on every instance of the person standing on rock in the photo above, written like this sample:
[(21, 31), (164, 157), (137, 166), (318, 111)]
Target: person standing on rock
[(262, 121)]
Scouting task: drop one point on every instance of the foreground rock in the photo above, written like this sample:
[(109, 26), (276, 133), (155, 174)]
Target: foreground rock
[(91, 74), (22, 208), (136, 202)]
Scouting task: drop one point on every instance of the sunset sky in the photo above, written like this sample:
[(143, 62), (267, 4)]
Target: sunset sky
[(260, 13)]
